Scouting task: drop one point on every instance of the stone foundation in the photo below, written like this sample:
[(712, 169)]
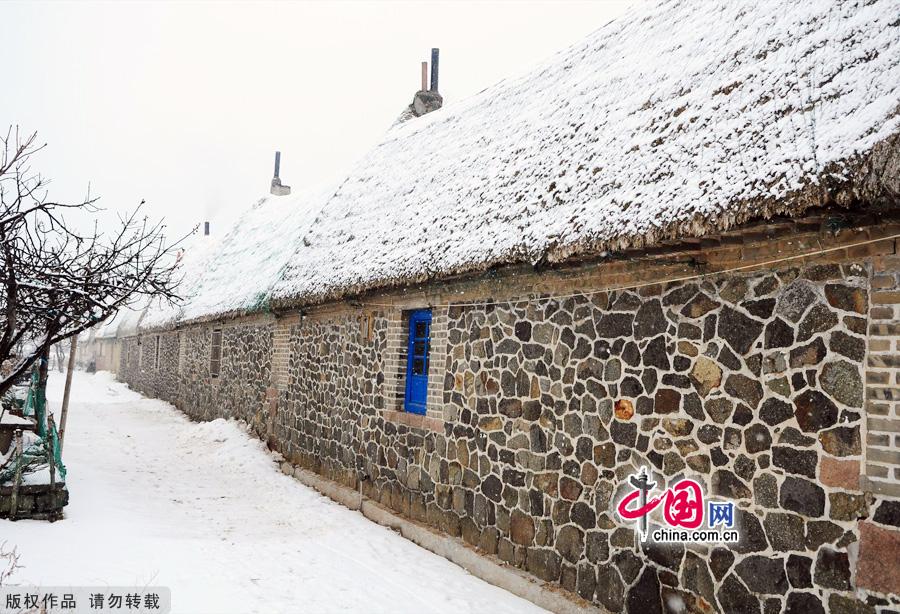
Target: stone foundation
[(774, 389)]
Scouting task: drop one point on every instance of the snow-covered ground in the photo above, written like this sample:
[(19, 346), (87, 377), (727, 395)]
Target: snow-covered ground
[(202, 508)]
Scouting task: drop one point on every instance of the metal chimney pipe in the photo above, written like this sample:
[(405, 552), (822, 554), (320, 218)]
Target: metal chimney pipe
[(206, 229), (277, 163), (434, 68), (424, 76)]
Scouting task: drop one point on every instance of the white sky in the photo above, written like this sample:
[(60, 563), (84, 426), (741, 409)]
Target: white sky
[(184, 104)]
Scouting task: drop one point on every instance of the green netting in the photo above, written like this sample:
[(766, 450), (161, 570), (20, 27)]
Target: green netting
[(39, 453), (28, 408)]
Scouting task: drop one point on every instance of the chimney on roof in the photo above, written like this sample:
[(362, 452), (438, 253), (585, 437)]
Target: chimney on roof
[(428, 100), (205, 229), (277, 189), (435, 52)]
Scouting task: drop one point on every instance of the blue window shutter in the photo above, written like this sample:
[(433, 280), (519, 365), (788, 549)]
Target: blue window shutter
[(417, 361)]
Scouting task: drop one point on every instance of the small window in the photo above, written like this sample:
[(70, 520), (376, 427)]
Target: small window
[(156, 353), (215, 356), (418, 349)]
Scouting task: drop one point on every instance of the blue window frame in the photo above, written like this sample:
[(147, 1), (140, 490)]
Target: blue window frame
[(417, 361)]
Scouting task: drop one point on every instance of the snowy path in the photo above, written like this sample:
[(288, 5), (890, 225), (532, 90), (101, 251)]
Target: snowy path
[(203, 509)]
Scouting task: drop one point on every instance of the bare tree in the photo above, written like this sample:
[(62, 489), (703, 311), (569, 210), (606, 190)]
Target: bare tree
[(56, 281), (9, 562)]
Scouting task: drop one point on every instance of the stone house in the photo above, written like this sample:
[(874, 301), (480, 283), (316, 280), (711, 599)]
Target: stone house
[(672, 246)]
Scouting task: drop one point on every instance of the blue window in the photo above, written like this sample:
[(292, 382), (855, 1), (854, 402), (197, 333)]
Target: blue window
[(417, 361)]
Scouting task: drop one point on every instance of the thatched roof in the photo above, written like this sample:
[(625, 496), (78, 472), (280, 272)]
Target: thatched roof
[(681, 119)]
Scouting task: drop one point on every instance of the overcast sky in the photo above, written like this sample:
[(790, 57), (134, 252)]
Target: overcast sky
[(184, 104)]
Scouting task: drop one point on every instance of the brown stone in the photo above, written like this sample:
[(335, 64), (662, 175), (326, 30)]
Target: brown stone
[(847, 298), (547, 482), (490, 424), (878, 566), (706, 376), (848, 506), (699, 306), (521, 528), (589, 474), (839, 473), (624, 409), (569, 489), (687, 348), (678, 427), (605, 454), (667, 401)]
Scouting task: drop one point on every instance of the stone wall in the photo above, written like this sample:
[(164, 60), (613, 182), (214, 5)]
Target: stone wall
[(775, 390), (183, 375)]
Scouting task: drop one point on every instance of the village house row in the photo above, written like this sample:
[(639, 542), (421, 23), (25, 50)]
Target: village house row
[(514, 304)]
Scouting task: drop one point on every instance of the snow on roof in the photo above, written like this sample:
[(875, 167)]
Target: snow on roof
[(192, 265), (128, 320), (681, 118), (107, 329), (238, 273)]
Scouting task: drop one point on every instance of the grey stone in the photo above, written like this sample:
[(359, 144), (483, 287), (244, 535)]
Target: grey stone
[(656, 355), (775, 411), (850, 346), (726, 484), (779, 334), (570, 543), (888, 512), (785, 531), (761, 308), (842, 381), (792, 460), (803, 603), (832, 569), (738, 330), (614, 325), (644, 596), (583, 516), (795, 299), (628, 564), (719, 409), (802, 496), (649, 320), (735, 598), (763, 574), (623, 433), (799, 572), (757, 438), (819, 532), (819, 319), (842, 604), (597, 547), (610, 588), (543, 563), (765, 490)]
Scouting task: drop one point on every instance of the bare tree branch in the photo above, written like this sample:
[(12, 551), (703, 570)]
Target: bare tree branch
[(57, 282)]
